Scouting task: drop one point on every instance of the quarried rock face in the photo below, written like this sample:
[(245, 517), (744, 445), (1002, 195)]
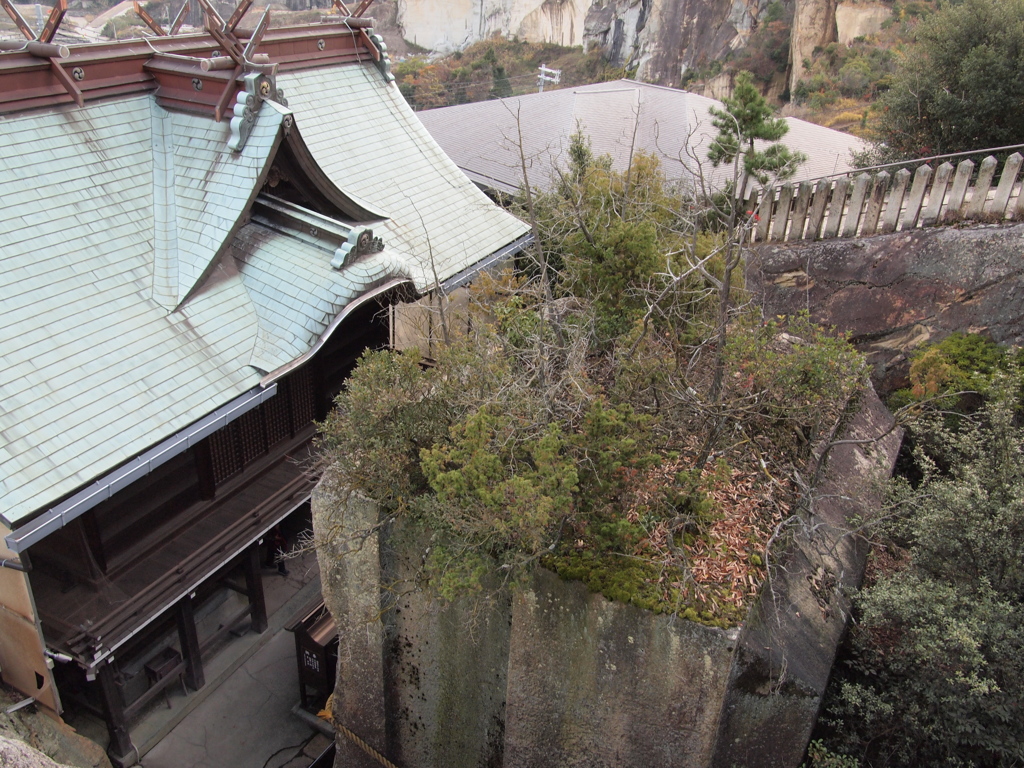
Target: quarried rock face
[(814, 24), (557, 677), (18, 754), (594, 683), (788, 644), (31, 738), (445, 663)]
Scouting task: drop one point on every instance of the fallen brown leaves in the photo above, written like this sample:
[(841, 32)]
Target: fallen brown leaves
[(725, 555), (723, 559)]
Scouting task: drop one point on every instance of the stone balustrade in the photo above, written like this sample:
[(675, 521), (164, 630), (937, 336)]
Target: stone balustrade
[(879, 203)]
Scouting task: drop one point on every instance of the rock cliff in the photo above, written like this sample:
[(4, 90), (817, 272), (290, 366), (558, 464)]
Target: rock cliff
[(660, 39), (892, 293), (554, 676), (454, 24), (31, 739)]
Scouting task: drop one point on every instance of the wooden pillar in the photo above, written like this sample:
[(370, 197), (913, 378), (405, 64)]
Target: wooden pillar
[(121, 750), (194, 677), (254, 586)]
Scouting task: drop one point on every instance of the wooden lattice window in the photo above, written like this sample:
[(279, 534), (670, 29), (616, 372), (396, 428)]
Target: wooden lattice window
[(277, 414), (303, 397), (224, 455), (251, 436)]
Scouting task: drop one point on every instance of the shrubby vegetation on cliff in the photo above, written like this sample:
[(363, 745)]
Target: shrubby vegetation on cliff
[(492, 69), (611, 409), (934, 666), (961, 85)]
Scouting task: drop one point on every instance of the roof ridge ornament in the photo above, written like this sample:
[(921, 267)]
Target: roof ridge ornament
[(384, 62), (260, 79), (258, 87), (360, 242)]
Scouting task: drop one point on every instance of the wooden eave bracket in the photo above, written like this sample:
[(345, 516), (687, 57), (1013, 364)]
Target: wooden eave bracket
[(68, 82)]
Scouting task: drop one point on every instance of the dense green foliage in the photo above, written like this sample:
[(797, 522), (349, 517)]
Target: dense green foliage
[(961, 365), (934, 667), (571, 419), (961, 85), (858, 71)]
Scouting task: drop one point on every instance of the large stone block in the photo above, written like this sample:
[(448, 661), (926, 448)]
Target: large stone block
[(554, 676), (595, 683)]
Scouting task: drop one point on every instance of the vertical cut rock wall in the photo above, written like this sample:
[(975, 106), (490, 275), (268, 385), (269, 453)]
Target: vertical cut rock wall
[(597, 684), (557, 677)]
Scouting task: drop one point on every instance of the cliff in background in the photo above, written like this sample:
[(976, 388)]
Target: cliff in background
[(660, 40), (451, 25)]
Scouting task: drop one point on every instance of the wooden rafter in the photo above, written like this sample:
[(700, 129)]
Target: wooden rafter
[(180, 18), (18, 20), (53, 21), (359, 11), (257, 36), (370, 45), (230, 89), (217, 28), (43, 44), (37, 49), (236, 16), (149, 20), (68, 82), (80, 74)]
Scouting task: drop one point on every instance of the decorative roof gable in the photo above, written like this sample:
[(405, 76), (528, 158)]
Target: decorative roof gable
[(152, 273)]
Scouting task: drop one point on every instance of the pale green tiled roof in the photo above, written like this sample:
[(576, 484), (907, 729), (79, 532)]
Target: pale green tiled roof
[(212, 186), (95, 370), (297, 293), (364, 135), (116, 213)]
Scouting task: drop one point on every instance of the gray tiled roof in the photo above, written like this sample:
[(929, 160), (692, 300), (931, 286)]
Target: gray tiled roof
[(483, 138)]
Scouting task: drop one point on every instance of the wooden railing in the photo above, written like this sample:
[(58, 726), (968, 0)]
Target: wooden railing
[(879, 203)]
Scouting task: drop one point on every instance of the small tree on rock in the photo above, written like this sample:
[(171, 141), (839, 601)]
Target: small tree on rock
[(745, 120)]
